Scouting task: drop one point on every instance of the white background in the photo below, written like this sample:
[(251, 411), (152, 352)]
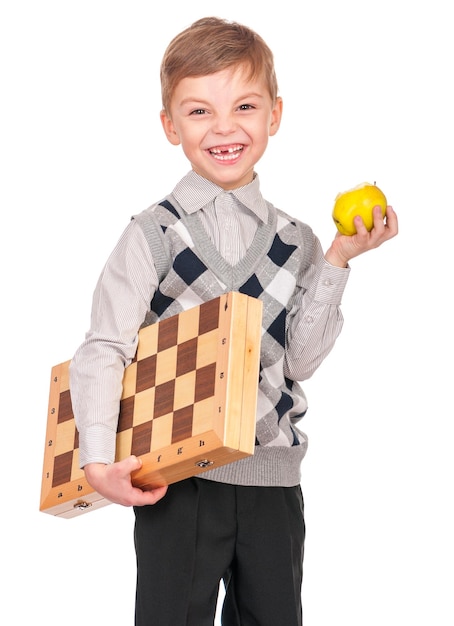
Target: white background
[(367, 90)]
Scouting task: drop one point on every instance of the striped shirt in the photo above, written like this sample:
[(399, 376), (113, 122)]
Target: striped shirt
[(127, 285)]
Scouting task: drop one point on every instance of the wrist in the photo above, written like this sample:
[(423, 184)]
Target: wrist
[(334, 258)]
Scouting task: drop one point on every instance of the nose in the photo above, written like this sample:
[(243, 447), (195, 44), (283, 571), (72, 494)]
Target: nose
[(224, 124)]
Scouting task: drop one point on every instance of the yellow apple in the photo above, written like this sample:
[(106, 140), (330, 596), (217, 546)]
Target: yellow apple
[(357, 201)]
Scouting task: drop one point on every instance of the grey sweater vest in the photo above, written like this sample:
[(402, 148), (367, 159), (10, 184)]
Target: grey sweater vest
[(191, 271)]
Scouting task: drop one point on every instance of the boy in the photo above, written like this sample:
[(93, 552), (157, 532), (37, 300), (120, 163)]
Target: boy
[(242, 522)]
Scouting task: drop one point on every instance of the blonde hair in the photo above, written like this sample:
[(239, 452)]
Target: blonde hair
[(210, 45)]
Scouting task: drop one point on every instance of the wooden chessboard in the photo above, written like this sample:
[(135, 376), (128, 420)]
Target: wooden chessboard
[(188, 404)]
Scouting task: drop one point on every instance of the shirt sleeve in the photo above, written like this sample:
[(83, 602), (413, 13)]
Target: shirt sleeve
[(120, 302), (315, 319)]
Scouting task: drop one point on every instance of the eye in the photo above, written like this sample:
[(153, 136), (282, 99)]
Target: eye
[(245, 107), (198, 112)]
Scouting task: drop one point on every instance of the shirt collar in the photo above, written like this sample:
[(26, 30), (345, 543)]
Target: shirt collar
[(194, 192)]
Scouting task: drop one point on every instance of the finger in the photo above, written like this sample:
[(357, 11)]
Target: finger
[(150, 496), (391, 219), (131, 464), (359, 225), (379, 218)]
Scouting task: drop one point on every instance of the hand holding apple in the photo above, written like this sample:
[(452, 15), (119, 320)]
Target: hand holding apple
[(357, 201), (355, 236)]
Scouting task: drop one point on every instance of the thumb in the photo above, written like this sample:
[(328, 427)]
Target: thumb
[(133, 463)]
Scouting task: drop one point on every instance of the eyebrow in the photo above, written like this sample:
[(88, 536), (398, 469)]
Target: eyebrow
[(195, 99)]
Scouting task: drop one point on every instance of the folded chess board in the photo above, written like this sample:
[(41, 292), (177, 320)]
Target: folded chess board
[(188, 405)]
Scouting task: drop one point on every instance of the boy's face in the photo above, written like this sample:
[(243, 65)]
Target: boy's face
[(222, 122)]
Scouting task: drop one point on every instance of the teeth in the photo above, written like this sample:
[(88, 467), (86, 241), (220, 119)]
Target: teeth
[(226, 154), (226, 157)]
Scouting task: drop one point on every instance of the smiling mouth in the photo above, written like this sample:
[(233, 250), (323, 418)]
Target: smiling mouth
[(226, 153)]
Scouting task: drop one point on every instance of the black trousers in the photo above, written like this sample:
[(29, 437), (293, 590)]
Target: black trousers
[(202, 532)]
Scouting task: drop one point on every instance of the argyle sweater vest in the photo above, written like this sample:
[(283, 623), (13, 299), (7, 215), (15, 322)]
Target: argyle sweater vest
[(192, 271)]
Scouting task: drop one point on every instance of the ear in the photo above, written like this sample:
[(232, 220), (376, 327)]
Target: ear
[(169, 129), (276, 116)]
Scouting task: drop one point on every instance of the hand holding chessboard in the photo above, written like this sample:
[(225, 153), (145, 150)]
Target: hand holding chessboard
[(188, 404)]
